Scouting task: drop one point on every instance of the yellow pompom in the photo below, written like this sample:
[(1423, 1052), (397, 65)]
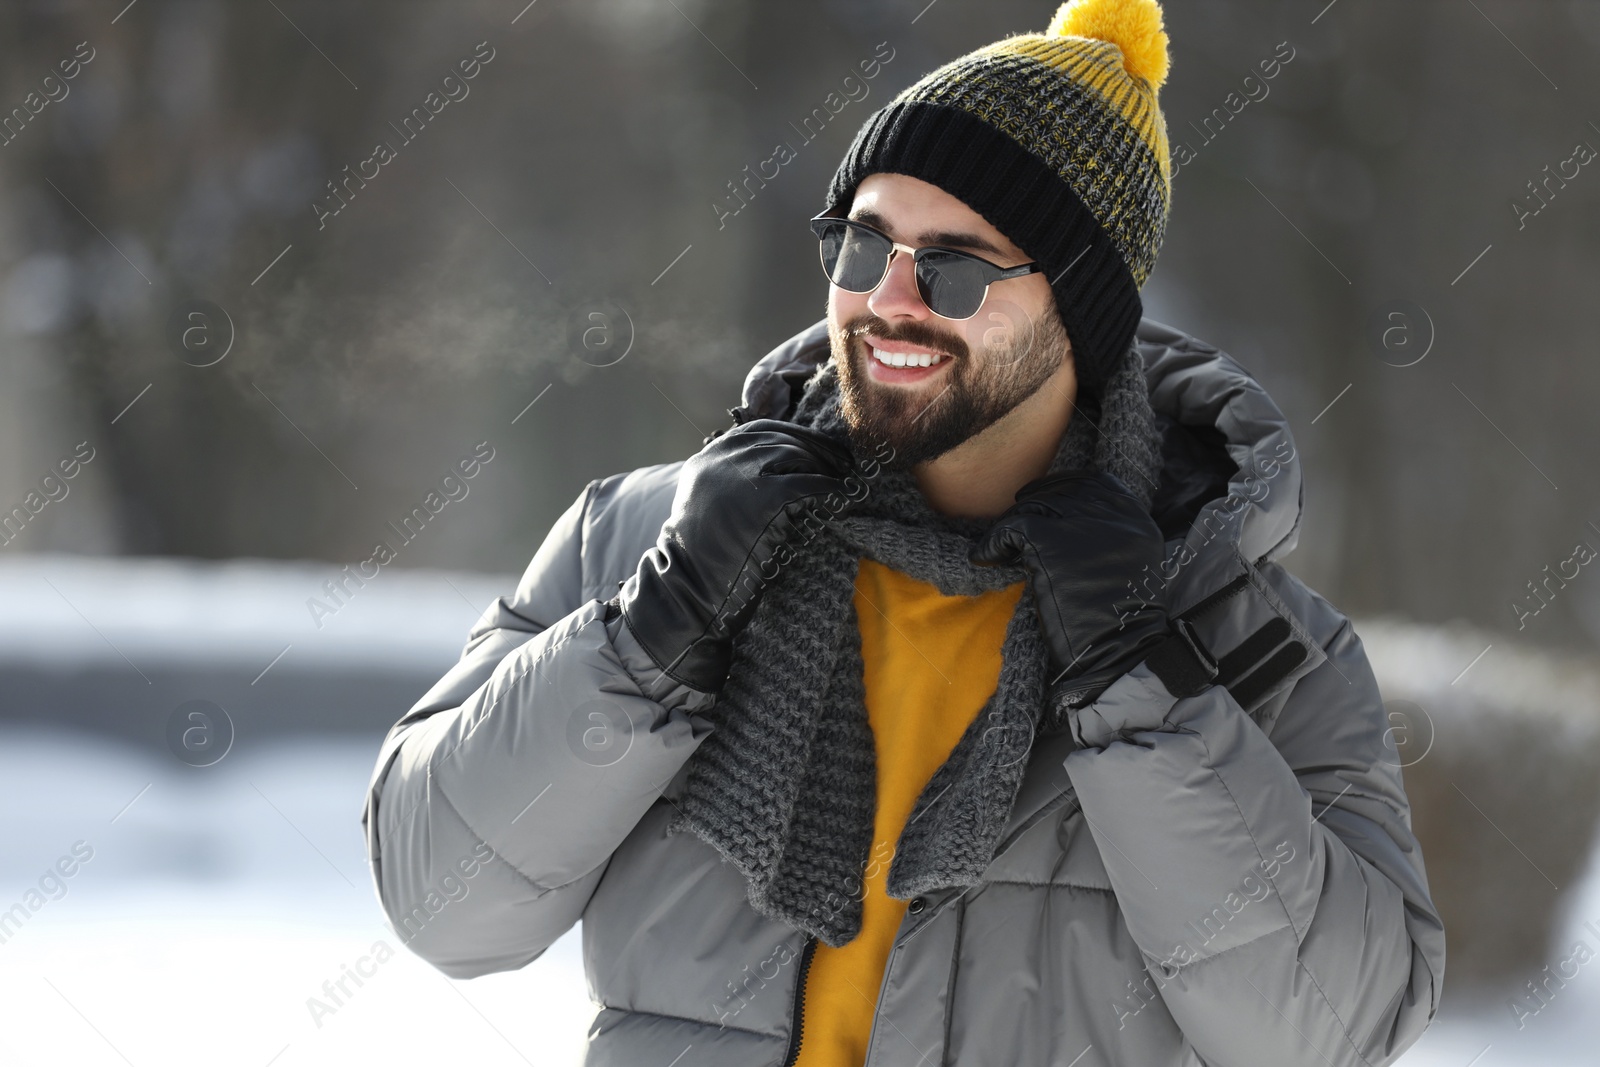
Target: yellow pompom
[(1132, 25)]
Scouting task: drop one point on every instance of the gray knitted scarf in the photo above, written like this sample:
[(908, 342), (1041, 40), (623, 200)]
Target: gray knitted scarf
[(785, 786)]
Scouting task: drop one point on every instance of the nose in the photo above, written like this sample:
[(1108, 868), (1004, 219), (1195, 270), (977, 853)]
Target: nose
[(896, 297)]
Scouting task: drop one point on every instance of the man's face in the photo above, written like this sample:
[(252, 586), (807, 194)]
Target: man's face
[(984, 366)]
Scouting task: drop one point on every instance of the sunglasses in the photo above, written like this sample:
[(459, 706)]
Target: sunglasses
[(953, 284)]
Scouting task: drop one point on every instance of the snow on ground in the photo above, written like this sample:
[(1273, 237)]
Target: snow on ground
[(215, 905), (69, 610), (218, 901)]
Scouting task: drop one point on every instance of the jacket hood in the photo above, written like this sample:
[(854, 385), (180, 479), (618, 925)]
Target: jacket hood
[(1230, 471)]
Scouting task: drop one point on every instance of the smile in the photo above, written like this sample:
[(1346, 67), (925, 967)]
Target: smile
[(905, 359)]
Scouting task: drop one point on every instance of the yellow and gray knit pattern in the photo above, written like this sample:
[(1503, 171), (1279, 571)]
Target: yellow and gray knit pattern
[(1072, 102)]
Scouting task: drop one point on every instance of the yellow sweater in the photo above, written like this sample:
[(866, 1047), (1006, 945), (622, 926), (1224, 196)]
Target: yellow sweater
[(931, 662)]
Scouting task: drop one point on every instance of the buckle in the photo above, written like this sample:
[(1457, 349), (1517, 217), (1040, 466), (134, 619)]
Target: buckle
[(1182, 662)]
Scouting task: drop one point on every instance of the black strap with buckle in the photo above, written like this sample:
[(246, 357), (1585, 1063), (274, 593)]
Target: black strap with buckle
[(1182, 662)]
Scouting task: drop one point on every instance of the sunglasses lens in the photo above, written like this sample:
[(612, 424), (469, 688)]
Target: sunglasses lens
[(854, 259), (951, 286)]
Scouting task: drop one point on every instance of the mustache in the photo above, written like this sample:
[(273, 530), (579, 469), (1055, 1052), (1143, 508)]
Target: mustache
[(951, 347)]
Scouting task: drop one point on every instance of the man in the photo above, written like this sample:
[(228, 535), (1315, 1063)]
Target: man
[(950, 707)]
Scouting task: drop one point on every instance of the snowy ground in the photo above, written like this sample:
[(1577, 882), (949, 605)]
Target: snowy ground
[(214, 907), (218, 901)]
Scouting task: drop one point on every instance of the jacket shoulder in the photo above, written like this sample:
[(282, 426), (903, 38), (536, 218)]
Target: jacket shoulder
[(1321, 619), (622, 519), (1158, 334), (1339, 703), (591, 547), (1270, 632)]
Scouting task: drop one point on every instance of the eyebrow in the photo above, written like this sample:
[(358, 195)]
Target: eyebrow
[(949, 238)]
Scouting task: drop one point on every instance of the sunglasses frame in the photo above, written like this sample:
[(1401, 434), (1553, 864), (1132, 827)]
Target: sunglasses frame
[(991, 272)]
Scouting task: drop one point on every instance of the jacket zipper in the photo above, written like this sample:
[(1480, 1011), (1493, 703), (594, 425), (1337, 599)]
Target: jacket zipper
[(1071, 804), (877, 1011), (798, 1020)]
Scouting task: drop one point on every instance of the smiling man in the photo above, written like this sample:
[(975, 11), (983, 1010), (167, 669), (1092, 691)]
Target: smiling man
[(976, 406), (951, 706)]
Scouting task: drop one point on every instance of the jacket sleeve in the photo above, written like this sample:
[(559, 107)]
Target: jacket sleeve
[(1273, 885), (499, 798)]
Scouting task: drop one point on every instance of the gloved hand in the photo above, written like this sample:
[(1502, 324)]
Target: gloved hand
[(738, 501), (1082, 538)]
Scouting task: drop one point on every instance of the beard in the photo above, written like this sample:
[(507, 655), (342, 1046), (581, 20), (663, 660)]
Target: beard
[(923, 423)]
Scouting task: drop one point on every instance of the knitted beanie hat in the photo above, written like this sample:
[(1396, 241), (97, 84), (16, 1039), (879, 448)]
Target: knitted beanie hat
[(1057, 140)]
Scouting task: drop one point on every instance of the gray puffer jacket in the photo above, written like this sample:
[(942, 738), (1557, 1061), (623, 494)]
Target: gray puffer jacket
[(1225, 879)]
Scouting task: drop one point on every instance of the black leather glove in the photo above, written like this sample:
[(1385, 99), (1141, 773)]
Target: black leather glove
[(1083, 538), (736, 516)]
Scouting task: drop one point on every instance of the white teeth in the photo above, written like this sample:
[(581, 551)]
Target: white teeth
[(903, 359)]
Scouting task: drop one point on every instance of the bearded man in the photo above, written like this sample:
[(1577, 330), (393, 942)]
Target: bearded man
[(951, 707)]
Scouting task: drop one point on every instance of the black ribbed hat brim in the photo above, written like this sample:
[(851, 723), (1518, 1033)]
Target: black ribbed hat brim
[(1024, 199)]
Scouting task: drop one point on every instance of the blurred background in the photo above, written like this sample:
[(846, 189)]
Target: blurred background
[(241, 347)]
